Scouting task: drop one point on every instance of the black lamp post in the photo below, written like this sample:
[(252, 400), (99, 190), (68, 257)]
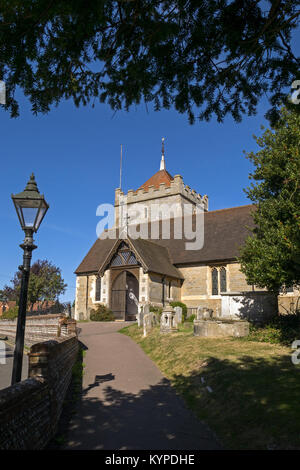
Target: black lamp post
[(31, 208)]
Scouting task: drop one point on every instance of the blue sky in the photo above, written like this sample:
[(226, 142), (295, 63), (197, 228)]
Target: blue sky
[(75, 155)]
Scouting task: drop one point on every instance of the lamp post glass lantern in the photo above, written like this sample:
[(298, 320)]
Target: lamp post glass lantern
[(31, 208)]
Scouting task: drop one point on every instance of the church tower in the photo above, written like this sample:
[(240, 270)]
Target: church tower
[(162, 189)]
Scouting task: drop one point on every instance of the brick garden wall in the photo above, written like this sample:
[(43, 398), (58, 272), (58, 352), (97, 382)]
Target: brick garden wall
[(30, 410)]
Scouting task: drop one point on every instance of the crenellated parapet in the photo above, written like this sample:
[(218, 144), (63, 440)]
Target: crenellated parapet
[(175, 188)]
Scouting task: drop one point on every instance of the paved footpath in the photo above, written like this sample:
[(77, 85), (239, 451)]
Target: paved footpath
[(126, 401)]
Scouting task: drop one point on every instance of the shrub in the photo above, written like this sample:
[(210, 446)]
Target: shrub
[(184, 309), (191, 318), (157, 310), (282, 329), (11, 313), (102, 313)]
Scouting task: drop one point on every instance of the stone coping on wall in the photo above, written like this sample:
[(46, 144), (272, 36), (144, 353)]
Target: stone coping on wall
[(52, 316), (40, 328)]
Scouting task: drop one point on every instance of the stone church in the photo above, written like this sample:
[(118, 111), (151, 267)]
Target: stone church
[(122, 272)]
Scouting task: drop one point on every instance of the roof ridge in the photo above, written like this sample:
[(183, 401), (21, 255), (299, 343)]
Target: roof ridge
[(230, 208)]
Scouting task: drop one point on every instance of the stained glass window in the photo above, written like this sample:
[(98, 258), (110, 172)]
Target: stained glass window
[(214, 281), (98, 289), (223, 282)]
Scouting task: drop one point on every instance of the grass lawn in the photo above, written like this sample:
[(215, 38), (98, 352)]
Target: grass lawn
[(255, 397)]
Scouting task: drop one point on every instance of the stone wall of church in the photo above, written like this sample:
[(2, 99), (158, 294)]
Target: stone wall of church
[(176, 290), (85, 294), (80, 299), (143, 286), (195, 282), (197, 286), (155, 289), (172, 289), (236, 279), (289, 303)]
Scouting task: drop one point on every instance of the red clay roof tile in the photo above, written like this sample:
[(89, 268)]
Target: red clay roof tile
[(161, 176)]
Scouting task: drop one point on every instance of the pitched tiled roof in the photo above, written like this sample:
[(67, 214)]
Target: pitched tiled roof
[(95, 256), (161, 176), (225, 231), (156, 258)]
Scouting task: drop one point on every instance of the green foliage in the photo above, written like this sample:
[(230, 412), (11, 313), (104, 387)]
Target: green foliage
[(271, 256), (283, 329), (102, 313), (3, 297), (191, 318), (183, 306), (209, 58), (10, 314), (157, 310), (45, 283)]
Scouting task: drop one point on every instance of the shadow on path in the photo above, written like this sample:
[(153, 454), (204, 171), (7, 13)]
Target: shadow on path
[(155, 418)]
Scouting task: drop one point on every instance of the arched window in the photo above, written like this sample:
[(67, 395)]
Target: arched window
[(223, 282), (214, 281), (98, 289)]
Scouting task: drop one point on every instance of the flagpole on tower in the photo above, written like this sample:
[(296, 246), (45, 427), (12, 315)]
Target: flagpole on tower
[(121, 167), (162, 162)]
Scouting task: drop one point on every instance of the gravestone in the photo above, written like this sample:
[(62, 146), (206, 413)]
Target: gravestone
[(140, 315), (207, 313), (178, 314), (168, 323), (146, 309), (199, 315), (149, 321)]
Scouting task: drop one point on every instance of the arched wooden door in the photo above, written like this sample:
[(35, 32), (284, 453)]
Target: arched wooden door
[(124, 296), (132, 296)]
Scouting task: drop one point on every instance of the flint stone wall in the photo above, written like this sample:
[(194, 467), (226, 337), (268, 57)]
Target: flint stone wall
[(30, 410)]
